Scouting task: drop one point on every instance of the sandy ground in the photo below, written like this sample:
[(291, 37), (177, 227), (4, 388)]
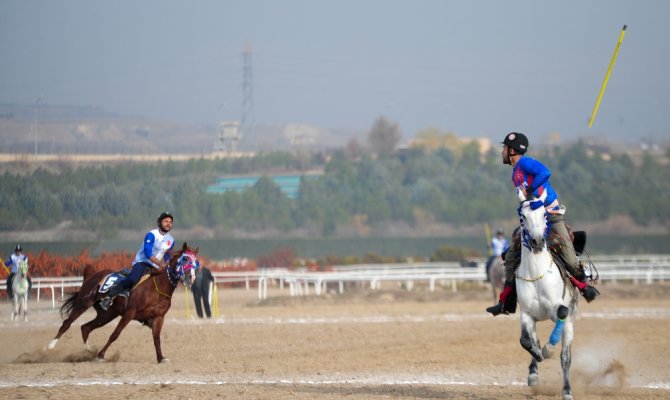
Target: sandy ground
[(387, 344)]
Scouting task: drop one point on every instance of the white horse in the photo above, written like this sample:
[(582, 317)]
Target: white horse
[(543, 294), (20, 287), (496, 275)]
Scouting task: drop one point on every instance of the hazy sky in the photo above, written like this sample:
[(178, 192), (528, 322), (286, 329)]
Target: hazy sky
[(477, 68)]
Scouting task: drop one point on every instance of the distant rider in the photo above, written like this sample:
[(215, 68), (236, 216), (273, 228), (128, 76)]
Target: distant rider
[(154, 253), (498, 246), (14, 261), (532, 178)]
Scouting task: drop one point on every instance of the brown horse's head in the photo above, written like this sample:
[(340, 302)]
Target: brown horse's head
[(183, 265)]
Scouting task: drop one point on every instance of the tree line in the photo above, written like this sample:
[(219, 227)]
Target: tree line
[(418, 185)]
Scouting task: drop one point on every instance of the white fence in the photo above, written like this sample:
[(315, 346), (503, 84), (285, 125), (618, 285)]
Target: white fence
[(636, 269)]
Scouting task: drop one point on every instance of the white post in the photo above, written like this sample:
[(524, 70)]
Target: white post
[(53, 296), (261, 280)]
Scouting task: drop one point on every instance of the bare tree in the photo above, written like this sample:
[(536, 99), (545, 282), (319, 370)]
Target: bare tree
[(353, 150), (384, 136)]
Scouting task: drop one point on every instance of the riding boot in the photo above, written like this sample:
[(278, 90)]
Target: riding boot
[(114, 291), (503, 307), (589, 292)]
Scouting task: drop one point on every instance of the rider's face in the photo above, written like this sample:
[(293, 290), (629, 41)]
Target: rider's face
[(505, 154), (166, 224)]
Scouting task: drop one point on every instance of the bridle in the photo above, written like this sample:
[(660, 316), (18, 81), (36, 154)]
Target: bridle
[(184, 264)]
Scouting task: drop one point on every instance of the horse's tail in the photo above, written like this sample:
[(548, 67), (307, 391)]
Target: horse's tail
[(68, 304)]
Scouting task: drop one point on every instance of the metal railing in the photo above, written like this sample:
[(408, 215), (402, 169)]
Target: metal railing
[(637, 269)]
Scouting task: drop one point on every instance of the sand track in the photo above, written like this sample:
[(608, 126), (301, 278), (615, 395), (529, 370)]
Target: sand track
[(366, 345)]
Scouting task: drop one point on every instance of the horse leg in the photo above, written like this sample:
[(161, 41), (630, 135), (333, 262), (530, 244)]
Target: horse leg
[(566, 358), (74, 314), (25, 307), (156, 327), (533, 376), (529, 340), (101, 319), (125, 319), (15, 307)]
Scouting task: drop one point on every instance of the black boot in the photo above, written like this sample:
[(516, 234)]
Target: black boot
[(507, 301), (497, 309), (581, 281), (590, 293), (114, 291)]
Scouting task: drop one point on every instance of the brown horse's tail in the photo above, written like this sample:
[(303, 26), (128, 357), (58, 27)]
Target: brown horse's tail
[(68, 304)]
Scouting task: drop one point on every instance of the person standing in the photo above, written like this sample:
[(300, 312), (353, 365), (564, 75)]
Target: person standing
[(201, 290), (154, 253)]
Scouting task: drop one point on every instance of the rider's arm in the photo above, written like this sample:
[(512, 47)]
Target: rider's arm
[(149, 240), (537, 170)]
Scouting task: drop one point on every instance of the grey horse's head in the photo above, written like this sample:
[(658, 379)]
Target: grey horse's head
[(533, 219)]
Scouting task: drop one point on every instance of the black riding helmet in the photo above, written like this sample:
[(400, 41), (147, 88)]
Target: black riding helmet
[(517, 141), (18, 248), (162, 217)]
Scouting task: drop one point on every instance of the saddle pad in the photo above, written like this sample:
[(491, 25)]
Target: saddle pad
[(111, 279)]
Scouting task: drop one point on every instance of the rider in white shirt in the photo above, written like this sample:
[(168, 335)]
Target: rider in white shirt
[(154, 253), (14, 260)]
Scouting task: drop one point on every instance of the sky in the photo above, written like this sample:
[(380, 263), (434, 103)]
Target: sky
[(474, 68)]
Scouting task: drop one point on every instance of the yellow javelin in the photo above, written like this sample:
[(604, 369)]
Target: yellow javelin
[(607, 77)]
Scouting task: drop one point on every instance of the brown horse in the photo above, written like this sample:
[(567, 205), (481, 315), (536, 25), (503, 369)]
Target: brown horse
[(148, 302)]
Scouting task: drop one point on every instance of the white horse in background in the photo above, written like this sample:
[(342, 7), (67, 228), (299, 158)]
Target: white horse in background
[(543, 294), (20, 287)]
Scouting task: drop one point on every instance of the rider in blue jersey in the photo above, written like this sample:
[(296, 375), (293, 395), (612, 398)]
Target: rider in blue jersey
[(154, 253), (532, 178)]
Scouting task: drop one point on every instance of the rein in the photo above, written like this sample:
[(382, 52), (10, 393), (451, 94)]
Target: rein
[(173, 277), (158, 290), (529, 279)]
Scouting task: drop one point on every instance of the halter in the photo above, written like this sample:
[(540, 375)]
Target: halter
[(533, 205), (184, 264)]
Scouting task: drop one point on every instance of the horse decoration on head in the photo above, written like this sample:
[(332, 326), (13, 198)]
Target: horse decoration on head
[(543, 294), (20, 289), (148, 302)]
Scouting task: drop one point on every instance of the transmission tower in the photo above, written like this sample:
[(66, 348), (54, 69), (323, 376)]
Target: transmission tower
[(247, 121)]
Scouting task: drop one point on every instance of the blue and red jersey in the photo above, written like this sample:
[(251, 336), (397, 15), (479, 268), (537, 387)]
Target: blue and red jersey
[(534, 176)]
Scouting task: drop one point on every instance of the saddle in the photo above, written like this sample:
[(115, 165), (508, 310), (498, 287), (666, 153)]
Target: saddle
[(578, 239), (113, 278)]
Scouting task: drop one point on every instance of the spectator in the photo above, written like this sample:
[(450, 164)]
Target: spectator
[(201, 289)]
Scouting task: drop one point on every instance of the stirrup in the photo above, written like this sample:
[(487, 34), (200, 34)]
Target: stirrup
[(497, 309), (106, 303)]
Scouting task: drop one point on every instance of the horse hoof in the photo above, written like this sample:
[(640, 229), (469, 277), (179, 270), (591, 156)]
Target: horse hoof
[(567, 397), (52, 344), (534, 380), (164, 361), (548, 350), (101, 360)]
